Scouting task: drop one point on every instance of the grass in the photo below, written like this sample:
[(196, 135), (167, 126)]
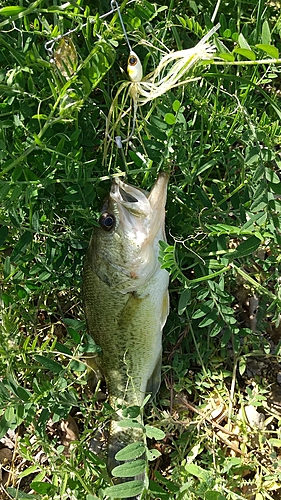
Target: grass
[(219, 135)]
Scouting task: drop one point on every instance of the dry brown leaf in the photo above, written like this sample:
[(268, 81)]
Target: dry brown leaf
[(9, 439), (6, 455), (255, 418), (69, 432)]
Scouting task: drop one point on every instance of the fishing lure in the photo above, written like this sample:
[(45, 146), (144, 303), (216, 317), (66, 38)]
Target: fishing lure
[(174, 69)]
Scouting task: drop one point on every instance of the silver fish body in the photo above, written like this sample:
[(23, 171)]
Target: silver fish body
[(126, 300)]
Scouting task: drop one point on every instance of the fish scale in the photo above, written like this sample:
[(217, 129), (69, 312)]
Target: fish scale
[(126, 300)]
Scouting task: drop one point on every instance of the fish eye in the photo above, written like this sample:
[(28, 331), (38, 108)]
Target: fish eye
[(132, 60), (107, 221)]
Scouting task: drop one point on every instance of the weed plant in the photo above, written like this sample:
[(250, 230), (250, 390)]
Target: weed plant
[(219, 135)]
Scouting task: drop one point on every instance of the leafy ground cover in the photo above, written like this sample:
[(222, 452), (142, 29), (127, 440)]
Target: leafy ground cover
[(219, 135)]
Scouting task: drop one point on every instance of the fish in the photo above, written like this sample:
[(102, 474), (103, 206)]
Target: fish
[(126, 300)]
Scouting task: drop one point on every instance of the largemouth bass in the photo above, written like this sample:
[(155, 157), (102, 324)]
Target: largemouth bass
[(126, 299)]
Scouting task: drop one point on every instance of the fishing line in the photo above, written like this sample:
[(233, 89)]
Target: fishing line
[(49, 45), (115, 6)]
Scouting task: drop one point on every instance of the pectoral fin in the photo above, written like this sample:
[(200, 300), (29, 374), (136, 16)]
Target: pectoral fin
[(154, 381), (94, 374)]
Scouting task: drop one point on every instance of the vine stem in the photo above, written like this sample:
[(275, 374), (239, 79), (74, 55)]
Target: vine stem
[(245, 63), (261, 289)]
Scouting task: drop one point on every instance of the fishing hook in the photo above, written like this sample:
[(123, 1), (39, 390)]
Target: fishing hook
[(119, 143), (118, 139)]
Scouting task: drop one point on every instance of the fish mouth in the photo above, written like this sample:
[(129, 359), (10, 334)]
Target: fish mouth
[(142, 203), (127, 196), (130, 199)]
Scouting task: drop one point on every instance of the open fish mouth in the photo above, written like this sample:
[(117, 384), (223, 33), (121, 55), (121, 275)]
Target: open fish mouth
[(127, 196), (133, 199), (141, 203)]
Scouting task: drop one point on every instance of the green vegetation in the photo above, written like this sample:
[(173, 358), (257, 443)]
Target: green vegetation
[(219, 135)]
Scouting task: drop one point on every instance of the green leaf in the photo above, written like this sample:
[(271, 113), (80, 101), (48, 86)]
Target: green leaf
[(21, 246), (181, 20), (245, 248), (154, 433), (272, 176), (129, 469), (243, 42), (219, 229), (131, 451), (226, 57), (184, 300), (227, 33), (242, 365), (131, 412), (249, 54), (205, 166), (10, 414), (99, 61), (146, 399), (49, 363), (4, 426), (152, 454), (135, 22), (176, 106), (170, 118), (155, 132), (74, 335), (249, 226), (269, 49), (30, 470), (209, 319), (23, 394), (89, 345), (42, 488), (158, 491), (77, 366), (231, 462), (203, 197), (63, 349), (21, 412), (74, 323), (125, 490), (40, 476), (128, 422), (265, 33), (11, 10), (214, 495), (35, 221), (203, 310), (275, 442), (20, 495), (4, 231), (170, 485), (216, 330), (197, 471)]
